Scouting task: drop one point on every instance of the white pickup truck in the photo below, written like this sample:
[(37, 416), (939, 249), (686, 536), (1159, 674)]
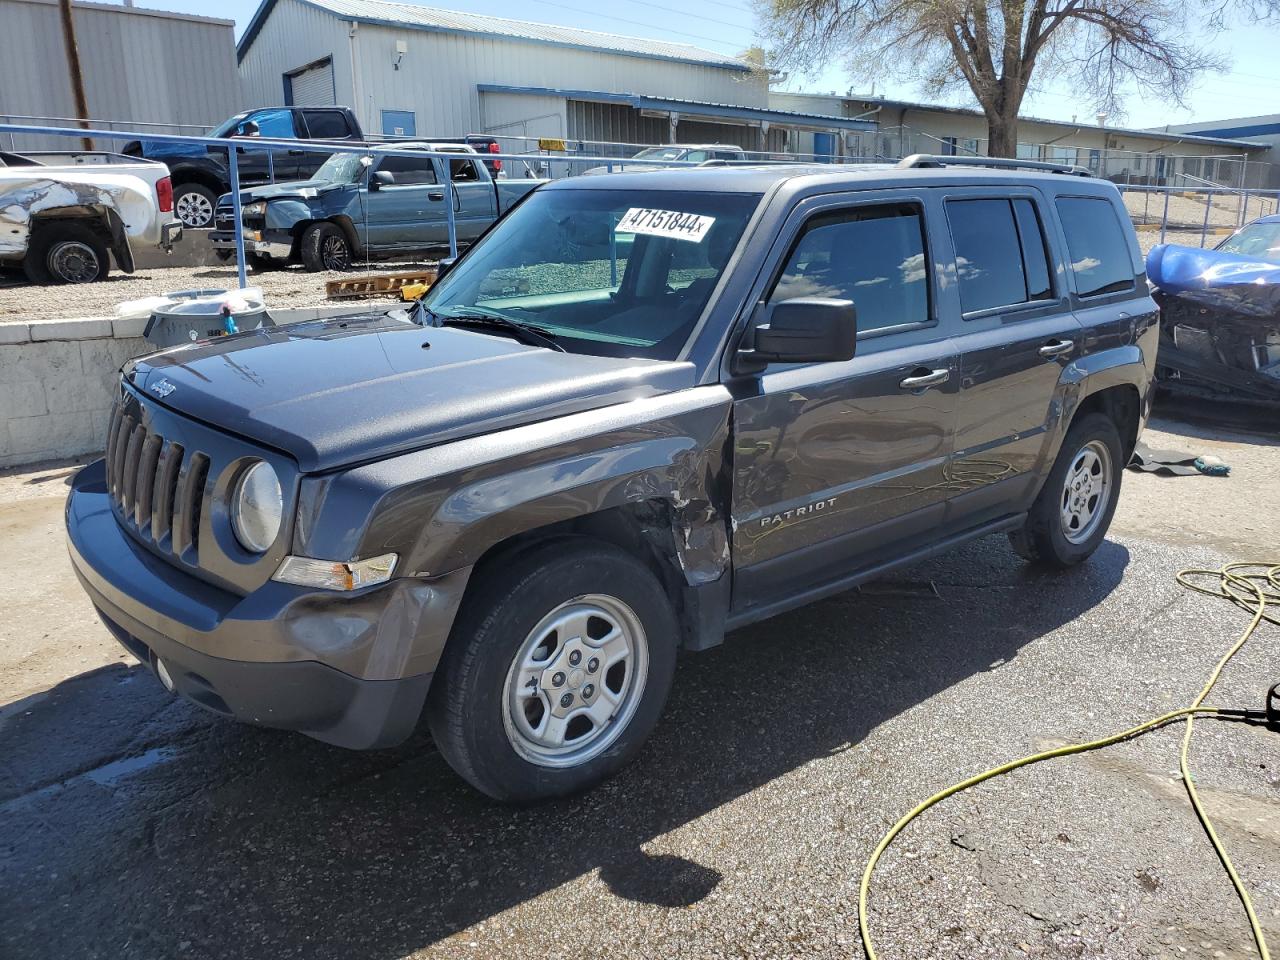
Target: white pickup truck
[(63, 215)]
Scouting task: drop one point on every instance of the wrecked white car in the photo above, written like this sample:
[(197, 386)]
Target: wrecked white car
[(64, 216)]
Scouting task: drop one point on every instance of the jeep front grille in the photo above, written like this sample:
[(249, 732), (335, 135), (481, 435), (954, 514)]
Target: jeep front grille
[(157, 487)]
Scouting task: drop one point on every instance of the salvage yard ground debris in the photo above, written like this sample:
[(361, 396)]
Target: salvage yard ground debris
[(286, 287), (136, 825)]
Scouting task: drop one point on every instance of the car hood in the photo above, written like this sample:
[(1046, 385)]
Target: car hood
[(1212, 280), (290, 188), (336, 392)]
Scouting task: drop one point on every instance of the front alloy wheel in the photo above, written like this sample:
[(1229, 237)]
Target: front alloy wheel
[(575, 682), (555, 672)]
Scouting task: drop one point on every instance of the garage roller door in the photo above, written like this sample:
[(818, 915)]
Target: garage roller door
[(312, 87)]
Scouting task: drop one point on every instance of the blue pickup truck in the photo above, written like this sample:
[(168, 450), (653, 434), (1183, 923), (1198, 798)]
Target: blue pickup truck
[(367, 207)]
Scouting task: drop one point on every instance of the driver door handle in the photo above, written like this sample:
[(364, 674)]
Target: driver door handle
[(929, 378), (1056, 348), (435, 195)]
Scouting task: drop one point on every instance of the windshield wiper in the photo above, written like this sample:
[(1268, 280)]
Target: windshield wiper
[(528, 333)]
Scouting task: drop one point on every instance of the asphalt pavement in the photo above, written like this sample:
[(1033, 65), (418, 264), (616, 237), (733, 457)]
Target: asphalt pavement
[(134, 825)]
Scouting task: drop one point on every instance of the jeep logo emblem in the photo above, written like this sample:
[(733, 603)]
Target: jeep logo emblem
[(163, 388)]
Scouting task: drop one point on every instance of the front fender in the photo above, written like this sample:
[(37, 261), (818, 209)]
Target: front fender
[(442, 508), (285, 214)]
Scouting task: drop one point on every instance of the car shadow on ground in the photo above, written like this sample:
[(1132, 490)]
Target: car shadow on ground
[(134, 824)]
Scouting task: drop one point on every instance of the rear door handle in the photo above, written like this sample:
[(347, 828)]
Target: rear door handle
[(1056, 348), (920, 381)]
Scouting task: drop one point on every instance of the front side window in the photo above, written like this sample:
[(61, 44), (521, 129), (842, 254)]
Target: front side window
[(620, 273), (1097, 246), (410, 171), (874, 256), (1000, 253), (1260, 241)]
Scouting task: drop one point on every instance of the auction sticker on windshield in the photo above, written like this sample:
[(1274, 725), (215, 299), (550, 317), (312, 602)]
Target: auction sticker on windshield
[(665, 223)]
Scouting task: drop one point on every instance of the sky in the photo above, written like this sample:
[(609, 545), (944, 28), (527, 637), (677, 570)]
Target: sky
[(1249, 88)]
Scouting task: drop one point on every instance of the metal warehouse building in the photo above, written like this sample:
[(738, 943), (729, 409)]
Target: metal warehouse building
[(419, 71), (139, 65)]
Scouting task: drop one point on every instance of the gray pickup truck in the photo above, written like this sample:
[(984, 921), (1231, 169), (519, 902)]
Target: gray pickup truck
[(368, 207), (642, 411)]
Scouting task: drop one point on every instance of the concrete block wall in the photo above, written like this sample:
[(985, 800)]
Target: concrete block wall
[(57, 379)]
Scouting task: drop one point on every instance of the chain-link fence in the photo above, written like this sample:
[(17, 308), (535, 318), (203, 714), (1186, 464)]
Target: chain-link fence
[(1192, 214)]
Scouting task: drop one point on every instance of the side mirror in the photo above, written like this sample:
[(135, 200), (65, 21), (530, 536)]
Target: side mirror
[(249, 128), (382, 178), (443, 266), (806, 330)]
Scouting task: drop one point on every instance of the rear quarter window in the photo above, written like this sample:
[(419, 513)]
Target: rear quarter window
[(327, 124), (1096, 244)]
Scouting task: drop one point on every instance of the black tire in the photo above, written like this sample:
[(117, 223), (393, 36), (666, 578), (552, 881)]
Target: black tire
[(194, 204), (465, 709), (67, 252), (1044, 539), (325, 247), (262, 263)]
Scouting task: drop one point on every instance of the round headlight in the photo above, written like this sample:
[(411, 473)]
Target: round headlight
[(257, 507)]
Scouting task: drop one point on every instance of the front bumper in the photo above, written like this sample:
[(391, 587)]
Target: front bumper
[(261, 658), (226, 240)]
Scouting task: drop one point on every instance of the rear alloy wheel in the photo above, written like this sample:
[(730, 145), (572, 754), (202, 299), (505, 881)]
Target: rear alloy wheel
[(193, 204), (556, 671), (325, 247), (66, 253), (1070, 517)]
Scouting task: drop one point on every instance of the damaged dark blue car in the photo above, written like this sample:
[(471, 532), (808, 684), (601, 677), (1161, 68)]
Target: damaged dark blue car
[(1220, 315)]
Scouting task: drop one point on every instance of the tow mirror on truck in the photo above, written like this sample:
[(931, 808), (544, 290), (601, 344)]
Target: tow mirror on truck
[(803, 330)]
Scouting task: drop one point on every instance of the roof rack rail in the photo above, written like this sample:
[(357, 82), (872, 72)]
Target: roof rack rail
[(917, 160)]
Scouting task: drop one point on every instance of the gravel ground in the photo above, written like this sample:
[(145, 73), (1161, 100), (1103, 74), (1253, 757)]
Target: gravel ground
[(133, 825), (286, 287)]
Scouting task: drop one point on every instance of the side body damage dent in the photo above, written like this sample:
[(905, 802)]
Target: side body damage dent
[(24, 202), (442, 508)]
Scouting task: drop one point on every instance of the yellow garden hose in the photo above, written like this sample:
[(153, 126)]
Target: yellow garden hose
[(1253, 587)]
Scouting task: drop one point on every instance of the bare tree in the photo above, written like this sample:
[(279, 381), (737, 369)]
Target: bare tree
[(994, 47)]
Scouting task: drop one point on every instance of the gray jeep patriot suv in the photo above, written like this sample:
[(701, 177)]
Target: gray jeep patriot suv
[(643, 410)]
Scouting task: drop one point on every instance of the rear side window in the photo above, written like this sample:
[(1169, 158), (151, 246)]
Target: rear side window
[(327, 124), (874, 256), (463, 171), (1000, 253), (1097, 246)]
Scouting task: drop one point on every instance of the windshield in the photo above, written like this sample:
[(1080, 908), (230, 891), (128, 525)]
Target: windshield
[(618, 273), (1258, 240), (341, 168), (224, 129)]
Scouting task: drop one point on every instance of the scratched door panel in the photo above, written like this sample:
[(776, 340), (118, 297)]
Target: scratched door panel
[(840, 457)]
